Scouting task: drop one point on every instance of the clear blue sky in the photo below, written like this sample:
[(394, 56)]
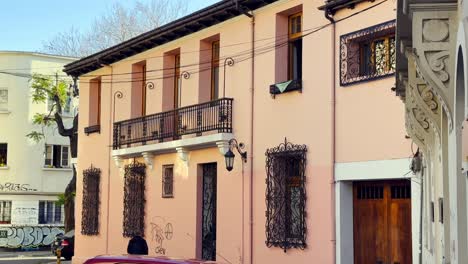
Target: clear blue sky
[(25, 24)]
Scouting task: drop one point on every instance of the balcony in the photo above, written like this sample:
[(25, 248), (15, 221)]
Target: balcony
[(169, 131)]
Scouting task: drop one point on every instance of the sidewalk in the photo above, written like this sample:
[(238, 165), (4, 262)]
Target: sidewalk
[(13, 253)]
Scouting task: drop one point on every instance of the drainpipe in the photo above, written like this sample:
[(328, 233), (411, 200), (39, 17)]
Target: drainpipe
[(251, 15), (328, 15), (252, 104), (109, 156)]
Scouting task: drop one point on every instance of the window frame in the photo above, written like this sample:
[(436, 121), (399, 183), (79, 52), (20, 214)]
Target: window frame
[(51, 164), (215, 55), (177, 81), (143, 90), (4, 215), (48, 216), (279, 220), (164, 191), (351, 53), (6, 155), (293, 38)]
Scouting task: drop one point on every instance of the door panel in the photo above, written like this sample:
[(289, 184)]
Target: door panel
[(209, 212), (371, 216), (382, 222)]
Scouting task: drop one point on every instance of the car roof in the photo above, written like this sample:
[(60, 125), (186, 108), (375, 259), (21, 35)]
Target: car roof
[(129, 259)]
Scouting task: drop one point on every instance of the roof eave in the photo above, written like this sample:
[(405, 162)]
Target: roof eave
[(209, 16)]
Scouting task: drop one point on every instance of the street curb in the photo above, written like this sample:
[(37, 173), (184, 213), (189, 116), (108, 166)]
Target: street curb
[(22, 254)]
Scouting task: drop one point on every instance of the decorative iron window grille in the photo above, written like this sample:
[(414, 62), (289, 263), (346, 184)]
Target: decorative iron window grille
[(368, 54), (285, 196), (134, 200), (168, 181), (90, 211)]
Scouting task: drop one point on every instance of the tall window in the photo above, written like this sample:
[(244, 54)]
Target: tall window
[(285, 196), (177, 80), (143, 90), (368, 54), (57, 156), (5, 212), (3, 98), (3, 154), (215, 70), (50, 213), (95, 102), (295, 47)]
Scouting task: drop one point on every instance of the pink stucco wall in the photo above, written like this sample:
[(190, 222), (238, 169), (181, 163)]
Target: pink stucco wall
[(303, 118)]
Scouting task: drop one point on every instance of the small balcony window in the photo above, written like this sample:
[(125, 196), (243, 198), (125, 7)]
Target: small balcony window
[(57, 156), (3, 154), (50, 213), (94, 123), (368, 54), (215, 70), (5, 212)]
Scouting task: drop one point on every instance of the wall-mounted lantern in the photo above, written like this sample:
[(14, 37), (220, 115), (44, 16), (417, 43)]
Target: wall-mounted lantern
[(229, 155)]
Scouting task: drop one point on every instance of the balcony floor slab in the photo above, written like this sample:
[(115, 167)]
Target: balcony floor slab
[(192, 143)]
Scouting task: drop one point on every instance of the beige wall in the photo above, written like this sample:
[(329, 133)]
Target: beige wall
[(303, 118)]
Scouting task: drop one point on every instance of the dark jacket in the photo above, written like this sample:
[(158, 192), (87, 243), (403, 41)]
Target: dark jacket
[(137, 246)]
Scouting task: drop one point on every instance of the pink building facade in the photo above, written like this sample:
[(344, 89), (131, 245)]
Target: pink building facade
[(158, 112)]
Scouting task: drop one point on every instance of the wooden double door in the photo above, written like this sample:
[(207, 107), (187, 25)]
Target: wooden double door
[(382, 222)]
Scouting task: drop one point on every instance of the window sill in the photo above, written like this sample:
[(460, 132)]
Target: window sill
[(92, 129), (56, 169), (5, 112), (284, 87), (5, 168)]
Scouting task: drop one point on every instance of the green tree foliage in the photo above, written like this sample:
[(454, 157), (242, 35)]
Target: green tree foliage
[(56, 93)]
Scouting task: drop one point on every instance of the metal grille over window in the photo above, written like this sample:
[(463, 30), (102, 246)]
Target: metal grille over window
[(371, 192), (168, 181), (285, 196), (134, 200), (401, 191), (368, 54), (91, 202)]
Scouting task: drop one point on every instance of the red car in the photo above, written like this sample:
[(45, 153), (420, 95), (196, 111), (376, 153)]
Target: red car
[(136, 259)]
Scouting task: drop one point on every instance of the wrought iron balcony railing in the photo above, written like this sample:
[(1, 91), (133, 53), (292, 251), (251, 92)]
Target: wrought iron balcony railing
[(171, 125)]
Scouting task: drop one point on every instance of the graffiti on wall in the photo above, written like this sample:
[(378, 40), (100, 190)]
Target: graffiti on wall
[(160, 231), (16, 187), (28, 236)]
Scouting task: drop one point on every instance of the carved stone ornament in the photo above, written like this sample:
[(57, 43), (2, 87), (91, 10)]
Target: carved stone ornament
[(148, 157), (118, 161), (432, 39), (183, 154)]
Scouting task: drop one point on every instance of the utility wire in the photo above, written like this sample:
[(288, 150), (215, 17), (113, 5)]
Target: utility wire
[(241, 56)]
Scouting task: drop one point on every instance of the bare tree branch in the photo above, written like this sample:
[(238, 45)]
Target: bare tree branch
[(116, 25)]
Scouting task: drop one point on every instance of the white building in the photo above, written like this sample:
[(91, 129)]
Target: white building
[(432, 81), (32, 175)]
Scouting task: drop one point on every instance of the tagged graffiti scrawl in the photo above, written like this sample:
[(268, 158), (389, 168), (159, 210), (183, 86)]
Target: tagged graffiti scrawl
[(158, 234), (28, 236), (16, 187)]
